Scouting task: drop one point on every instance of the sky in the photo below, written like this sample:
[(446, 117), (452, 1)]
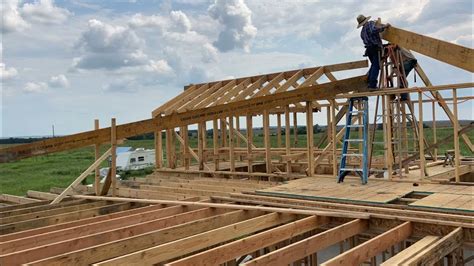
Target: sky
[(66, 63)]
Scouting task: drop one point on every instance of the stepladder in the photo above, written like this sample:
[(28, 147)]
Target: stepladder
[(355, 162)]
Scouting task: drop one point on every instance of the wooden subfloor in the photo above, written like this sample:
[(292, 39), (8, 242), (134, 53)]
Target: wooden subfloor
[(456, 197)]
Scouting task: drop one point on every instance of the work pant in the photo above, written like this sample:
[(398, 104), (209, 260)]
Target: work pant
[(373, 53)]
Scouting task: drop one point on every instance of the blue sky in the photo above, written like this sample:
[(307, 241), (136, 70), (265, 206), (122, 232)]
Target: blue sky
[(69, 62)]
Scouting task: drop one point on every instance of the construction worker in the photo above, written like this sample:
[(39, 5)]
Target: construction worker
[(370, 35), (409, 63)]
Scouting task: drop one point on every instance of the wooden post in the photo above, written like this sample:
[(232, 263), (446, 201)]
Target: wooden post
[(223, 133), (329, 128), (433, 127), (249, 143), (295, 128), (186, 157), (96, 156), (421, 135), (237, 127), (287, 137), (333, 138), (201, 141), (457, 153), (266, 132), (309, 138), (231, 144), (158, 149), (215, 143), (170, 148), (113, 157), (389, 113), (279, 130)]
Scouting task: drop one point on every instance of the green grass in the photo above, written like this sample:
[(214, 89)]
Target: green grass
[(60, 169)]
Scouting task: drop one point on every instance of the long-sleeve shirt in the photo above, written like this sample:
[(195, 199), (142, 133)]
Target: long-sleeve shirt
[(370, 34)]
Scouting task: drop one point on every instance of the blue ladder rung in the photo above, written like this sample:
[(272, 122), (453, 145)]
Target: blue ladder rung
[(354, 140), (356, 112), (353, 155), (355, 126), (352, 169)]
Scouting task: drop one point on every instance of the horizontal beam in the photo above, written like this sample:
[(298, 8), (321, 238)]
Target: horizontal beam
[(17, 199), (450, 53), (229, 206), (171, 250), (172, 230), (437, 250), (309, 93), (411, 251), (247, 245), (311, 245), (372, 247), (392, 91)]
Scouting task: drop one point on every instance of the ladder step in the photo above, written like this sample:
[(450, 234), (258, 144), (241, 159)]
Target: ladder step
[(355, 126), (351, 169), (354, 140), (353, 154), (356, 112)]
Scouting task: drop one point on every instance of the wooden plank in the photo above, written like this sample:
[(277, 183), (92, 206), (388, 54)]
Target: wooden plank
[(421, 137), (254, 105), (250, 145), (311, 245), (267, 143), (82, 176), (96, 156), (229, 206), (200, 241), (437, 250), (174, 230), (61, 218), (247, 245), (95, 226), (186, 98), (54, 211), (307, 71), (104, 237), (17, 199), (412, 250), (457, 153), (231, 144), (450, 53), (287, 138), (309, 138), (372, 247)]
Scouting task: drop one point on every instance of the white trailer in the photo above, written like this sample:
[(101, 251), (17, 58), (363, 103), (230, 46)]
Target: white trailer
[(134, 160)]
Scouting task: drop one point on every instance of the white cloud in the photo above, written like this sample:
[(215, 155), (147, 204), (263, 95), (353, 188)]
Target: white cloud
[(209, 54), (6, 73), (140, 21), (109, 47), (235, 17), (35, 87), (160, 67), (44, 11), (180, 21), (59, 81), (11, 17)]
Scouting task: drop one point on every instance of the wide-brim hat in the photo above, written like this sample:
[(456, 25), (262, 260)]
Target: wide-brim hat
[(361, 19)]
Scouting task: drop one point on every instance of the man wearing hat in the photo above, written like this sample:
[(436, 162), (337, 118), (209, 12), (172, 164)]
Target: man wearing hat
[(370, 35)]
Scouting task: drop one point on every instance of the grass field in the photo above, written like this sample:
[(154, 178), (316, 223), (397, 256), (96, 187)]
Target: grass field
[(60, 169)]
